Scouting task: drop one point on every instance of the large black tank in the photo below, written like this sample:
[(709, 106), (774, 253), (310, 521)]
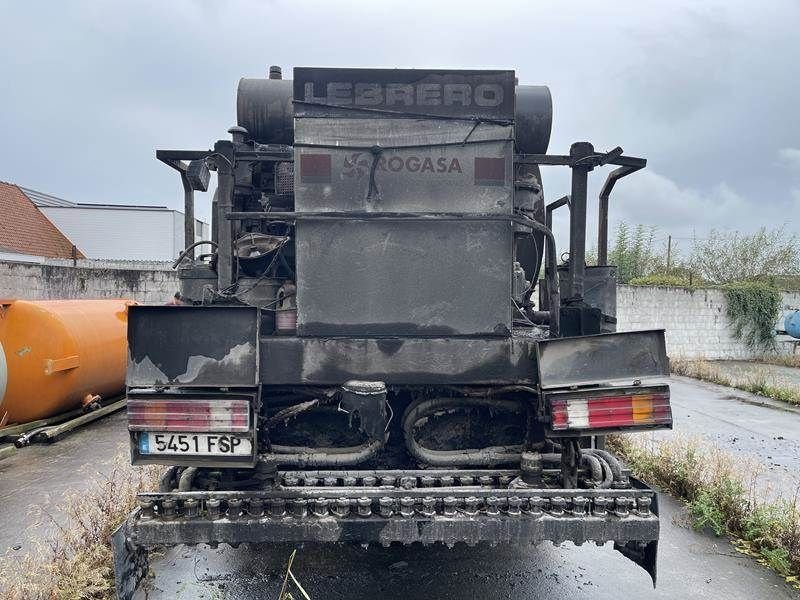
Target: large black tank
[(264, 108)]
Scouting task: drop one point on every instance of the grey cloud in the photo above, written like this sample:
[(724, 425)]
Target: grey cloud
[(705, 91)]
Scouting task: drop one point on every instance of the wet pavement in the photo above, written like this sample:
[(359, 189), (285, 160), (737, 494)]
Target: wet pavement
[(34, 479), (691, 564), (751, 426)]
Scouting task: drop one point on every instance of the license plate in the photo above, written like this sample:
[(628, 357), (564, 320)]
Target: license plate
[(194, 444)]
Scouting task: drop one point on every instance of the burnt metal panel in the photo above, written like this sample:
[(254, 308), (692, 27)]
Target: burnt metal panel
[(395, 278), (193, 346), (403, 165), (603, 358), (370, 93), (397, 361)]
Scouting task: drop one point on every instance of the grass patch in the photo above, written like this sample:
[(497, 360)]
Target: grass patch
[(782, 360), (761, 385), (75, 562), (721, 493)]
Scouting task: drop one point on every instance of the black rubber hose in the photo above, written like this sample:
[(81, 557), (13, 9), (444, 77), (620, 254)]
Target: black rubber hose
[(186, 479), (613, 462), (166, 480), (608, 475), (189, 248), (595, 468), (490, 456)]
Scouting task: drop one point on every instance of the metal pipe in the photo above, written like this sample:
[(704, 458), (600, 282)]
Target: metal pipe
[(322, 457), (602, 216), (214, 217), (223, 158), (188, 216), (577, 229), (450, 458), (551, 274), (548, 215)]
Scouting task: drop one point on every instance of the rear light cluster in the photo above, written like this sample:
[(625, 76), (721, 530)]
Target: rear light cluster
[(611, 409), (189, 415)]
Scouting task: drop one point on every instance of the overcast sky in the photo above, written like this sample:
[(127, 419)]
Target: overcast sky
[(708, 92)]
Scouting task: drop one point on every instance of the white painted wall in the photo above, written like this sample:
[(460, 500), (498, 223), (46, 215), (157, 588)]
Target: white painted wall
[(121, 233), (695, 320)]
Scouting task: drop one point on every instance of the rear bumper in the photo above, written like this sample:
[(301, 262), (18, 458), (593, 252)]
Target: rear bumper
[(449, 515)]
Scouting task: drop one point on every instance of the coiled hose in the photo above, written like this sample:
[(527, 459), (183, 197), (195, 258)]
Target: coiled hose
[(491, 456)]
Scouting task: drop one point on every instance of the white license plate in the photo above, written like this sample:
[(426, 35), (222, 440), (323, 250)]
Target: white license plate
[(194, 444)]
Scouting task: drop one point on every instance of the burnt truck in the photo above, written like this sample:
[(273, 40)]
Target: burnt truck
[(381, 343)]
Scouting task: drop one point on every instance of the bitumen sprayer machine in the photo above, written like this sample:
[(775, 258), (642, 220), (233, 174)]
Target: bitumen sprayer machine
[(358, 356)]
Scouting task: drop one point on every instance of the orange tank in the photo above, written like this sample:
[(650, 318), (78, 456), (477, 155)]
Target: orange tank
[(56, 355)]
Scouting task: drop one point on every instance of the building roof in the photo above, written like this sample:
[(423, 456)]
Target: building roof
[(48, 200), (42, 199), (24, 229)]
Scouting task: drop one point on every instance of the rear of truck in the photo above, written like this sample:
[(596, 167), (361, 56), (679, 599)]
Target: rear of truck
[(360, 356)]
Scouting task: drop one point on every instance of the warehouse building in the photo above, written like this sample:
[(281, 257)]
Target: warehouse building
[(118, 231)]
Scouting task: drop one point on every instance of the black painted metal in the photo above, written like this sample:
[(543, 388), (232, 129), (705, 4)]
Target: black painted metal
[(374, 279), (193, 346), (398, 360), (588, 360), (381, 93), (602, 215)]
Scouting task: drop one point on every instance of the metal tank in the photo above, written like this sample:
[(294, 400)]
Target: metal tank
[(265, 108), (791, 323), (57, 355)]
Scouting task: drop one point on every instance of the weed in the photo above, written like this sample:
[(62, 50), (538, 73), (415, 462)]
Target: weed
[(722, 493), (75, 561), (755, 384)]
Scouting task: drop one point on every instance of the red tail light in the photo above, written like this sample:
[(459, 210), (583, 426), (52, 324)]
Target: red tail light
[(195, 415), (611, 409)]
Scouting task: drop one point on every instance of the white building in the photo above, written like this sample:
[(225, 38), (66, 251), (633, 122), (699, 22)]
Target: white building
[(118, 231)]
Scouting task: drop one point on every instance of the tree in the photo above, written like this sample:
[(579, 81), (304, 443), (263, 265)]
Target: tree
[(725, 257), (633, 252)]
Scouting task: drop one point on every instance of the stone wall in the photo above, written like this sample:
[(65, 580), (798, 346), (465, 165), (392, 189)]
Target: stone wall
[(51, 279), (695, 320)]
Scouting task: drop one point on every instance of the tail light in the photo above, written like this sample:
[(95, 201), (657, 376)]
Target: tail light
[(192, 415), (610, 409)]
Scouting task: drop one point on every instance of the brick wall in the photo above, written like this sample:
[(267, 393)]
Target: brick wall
[(50, 279), (695, 320)]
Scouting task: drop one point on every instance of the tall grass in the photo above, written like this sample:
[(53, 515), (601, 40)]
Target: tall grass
[(722, 492), (755, 384), (74, 562)]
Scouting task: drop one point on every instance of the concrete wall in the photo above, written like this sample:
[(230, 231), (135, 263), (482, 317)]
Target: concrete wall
[(695, 320), (48, 279)]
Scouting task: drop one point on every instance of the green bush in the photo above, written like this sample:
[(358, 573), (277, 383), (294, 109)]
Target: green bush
[(720, 493), (753, 309)]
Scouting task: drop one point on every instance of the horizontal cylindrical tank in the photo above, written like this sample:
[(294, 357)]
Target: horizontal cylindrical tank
[(791, 323), (264, 107), (56, 355)]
